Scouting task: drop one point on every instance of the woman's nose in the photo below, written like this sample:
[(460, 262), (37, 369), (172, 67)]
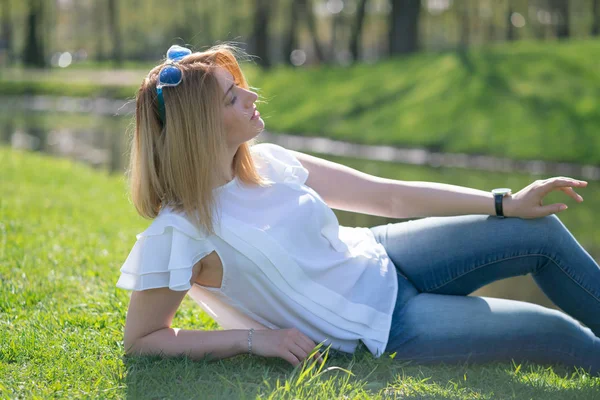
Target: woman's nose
[(252, 97)]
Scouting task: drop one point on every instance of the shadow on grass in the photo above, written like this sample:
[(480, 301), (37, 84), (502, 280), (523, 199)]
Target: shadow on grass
[(347, 376)]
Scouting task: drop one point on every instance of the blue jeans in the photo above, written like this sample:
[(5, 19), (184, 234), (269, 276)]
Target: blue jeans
[(440, 260)]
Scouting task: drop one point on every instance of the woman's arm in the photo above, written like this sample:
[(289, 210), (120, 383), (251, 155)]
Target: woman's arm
[(289, 344), (348, 189), (196, 344), (413, 199), (422, 199), (148, 331)]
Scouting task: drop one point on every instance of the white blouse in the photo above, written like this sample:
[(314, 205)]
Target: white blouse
[(286, 261)]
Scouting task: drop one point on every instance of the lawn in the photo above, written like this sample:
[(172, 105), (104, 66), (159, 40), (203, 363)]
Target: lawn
[(524, 100), (65, 229)]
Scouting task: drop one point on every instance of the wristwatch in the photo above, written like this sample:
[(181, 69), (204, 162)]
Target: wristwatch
[(499, 194)]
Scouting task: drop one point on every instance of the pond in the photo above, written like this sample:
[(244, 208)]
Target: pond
[(102, 141)]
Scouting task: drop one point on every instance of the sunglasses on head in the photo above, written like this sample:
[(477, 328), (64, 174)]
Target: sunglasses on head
[(170, 75)]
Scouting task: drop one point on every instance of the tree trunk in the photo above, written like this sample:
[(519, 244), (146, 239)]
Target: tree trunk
[(538, 28), (336, 22), (115, 32), (100, 22), (490, 32), (464, 22), (306, 6), (291, 40), (510, 28), (356, 34), (33, 54), (563, 26), (404, 26), (261, 32), (7, 32), (595, 17)]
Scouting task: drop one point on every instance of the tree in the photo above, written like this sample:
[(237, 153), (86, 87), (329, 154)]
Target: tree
[(33, 54), (337, 22), (462, 12), (537, 25), (404, 26), (563, 26), (309, 16), (596, 17), (356, 34), (291, 40), (115, 31), (261, 32), (510, 28), (7, 31), (99, 22)]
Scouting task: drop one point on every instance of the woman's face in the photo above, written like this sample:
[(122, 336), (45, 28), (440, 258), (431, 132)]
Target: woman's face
[(238, 110)]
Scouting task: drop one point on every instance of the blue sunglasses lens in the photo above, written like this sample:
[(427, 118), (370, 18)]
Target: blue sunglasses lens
[(176, 53), (169, 76)]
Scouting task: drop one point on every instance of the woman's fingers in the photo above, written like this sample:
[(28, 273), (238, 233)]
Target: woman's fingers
[(291, 358), (296, 347), (571, 193), (557, 185), (307, 344), (298, 351), (561, 183)]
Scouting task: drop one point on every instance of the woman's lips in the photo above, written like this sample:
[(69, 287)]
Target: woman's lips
[(256, 114)]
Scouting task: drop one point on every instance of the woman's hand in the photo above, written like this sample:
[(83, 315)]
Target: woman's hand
[(527, 203), (289, 344)]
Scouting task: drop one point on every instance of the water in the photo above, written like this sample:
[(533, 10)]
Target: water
[(102, 142)]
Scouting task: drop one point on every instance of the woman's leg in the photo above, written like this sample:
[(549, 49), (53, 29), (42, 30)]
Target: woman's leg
[(457, 255), (433, 328)]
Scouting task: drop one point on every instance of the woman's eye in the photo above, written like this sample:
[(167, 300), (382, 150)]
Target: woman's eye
[(234, 98)]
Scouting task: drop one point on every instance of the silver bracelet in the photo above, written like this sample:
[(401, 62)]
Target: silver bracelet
[(250, 332)]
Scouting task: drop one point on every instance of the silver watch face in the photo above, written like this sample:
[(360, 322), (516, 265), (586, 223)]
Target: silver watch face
[(502, 191)]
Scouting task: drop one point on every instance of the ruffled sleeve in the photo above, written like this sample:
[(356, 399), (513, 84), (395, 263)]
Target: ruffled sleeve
[(164, 255), (280, 164)]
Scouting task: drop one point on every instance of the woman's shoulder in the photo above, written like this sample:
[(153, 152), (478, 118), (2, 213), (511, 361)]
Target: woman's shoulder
[(164, 254), (279, 163), (271, 150), (169, 218)]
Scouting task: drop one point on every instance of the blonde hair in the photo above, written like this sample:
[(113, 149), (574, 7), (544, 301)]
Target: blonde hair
[(177, 164)]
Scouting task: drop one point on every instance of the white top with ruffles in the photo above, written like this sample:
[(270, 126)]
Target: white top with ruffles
[(286, 261)]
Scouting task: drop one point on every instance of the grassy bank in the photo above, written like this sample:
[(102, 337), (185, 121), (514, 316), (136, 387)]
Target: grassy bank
[(65, 229), (522, 100)]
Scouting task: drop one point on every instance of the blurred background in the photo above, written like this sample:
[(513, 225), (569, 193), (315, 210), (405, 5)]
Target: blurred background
[(474, 93), (301, 32)]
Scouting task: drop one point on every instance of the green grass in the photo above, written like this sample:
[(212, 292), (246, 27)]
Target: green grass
[(525, 100), (58, 88), (65, 229)]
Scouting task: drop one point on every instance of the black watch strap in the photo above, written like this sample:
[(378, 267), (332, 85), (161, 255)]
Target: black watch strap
[(498, 203)]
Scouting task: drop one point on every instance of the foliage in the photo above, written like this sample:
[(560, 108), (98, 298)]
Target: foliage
[(102, 30)]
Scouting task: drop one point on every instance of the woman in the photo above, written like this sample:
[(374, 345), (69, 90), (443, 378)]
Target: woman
[(247, 230)]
